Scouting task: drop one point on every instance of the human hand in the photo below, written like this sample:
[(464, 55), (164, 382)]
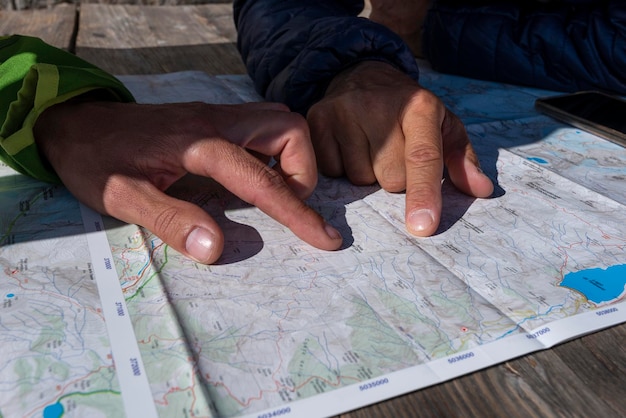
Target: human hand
[(377, 124), (119, 158)]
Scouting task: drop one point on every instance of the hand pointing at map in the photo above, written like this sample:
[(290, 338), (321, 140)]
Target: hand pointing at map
[(119, 159), (376, 124)]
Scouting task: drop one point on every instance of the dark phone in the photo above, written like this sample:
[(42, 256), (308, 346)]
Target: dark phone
[(592, 111)]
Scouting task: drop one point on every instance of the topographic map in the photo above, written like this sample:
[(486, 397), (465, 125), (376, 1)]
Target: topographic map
[(277, 328)]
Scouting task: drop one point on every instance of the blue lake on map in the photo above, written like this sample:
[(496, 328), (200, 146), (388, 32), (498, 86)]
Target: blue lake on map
[(53, 411), (598, 285)]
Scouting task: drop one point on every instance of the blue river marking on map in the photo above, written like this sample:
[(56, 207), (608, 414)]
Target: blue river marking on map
[(53, 411), (538, 160), (598, 285)]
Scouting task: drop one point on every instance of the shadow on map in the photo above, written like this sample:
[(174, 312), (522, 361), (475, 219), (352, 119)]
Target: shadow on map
[(455, 203), (42, 211), (242, 239)]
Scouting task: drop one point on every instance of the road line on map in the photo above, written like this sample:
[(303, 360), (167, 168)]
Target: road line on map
[(136, 393)]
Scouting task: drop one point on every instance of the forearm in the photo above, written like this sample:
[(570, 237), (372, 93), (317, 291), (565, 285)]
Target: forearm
[(33, 77), (294, 48)]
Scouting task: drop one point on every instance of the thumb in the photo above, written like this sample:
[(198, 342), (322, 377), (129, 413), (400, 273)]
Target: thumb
[(182, 225)]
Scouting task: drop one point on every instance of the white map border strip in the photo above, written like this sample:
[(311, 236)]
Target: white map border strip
[(437, 371), (134, 385)]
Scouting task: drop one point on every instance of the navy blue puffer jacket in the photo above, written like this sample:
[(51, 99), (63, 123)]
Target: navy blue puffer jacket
[(563, 45), (293, 48)]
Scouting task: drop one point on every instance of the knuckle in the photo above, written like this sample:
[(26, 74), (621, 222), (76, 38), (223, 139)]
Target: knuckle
[(425, 154), (390, 172), (425, 103), (425, 99), (392, 181), (268, 180), (165, 221), (299, 121), (393, 186), (299, 130), (390, 169), (114, 191), (294, 125)]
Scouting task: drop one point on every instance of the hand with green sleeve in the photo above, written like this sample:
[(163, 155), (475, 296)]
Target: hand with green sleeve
[(33, 77), (66, 120)]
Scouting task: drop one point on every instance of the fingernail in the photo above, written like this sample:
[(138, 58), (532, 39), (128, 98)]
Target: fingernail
[(420, 220), (332, 232), (199, 244)]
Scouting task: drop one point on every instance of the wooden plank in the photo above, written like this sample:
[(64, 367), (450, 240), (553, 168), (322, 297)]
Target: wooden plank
[(586, 376), (599, 360), (55, 25), (583, 377), (159, 39)]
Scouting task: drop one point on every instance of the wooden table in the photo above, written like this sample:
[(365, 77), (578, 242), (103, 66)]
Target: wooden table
[(584, 377)]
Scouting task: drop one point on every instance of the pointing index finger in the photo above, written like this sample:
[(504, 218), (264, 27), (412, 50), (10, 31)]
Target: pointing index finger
[(421, 125), (256, 183)]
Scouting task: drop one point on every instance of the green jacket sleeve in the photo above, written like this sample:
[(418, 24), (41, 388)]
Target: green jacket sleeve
[(33, 77)]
